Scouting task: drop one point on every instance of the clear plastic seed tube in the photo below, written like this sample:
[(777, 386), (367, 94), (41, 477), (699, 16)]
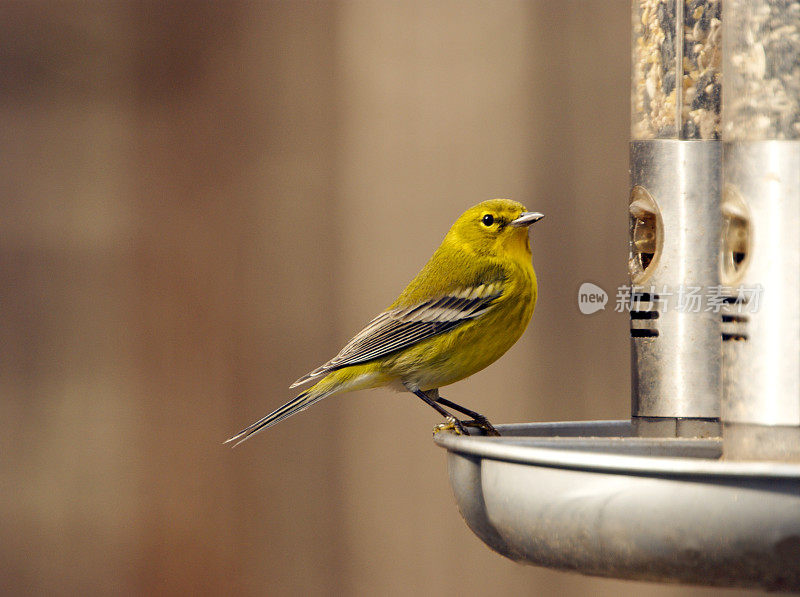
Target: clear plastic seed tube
[(762, 70), (676, 91)]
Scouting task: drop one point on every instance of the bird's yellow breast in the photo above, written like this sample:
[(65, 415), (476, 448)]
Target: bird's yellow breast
[(474, 345)]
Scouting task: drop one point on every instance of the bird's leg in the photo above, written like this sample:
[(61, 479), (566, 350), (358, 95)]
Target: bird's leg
[(459, 428), (481, 421)]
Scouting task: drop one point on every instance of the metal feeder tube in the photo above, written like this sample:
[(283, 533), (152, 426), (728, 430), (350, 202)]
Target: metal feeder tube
[(761, 244), (674, 217), (675, 339)]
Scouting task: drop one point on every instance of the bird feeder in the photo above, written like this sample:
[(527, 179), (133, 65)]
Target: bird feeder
[(761, 244), (702, 484), (674, 216)]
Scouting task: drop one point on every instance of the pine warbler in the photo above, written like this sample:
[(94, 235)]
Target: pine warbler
[(464, 310)]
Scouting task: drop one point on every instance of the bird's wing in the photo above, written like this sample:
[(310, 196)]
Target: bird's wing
[(401, 327)]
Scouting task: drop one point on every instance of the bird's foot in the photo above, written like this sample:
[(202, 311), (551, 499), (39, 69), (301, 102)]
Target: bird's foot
[(483, 424), (451, 424), (478, 420)]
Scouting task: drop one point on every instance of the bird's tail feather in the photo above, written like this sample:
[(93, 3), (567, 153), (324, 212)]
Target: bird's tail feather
[(341, 380), (301, 402)]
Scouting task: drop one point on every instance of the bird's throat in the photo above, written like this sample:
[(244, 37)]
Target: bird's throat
[(518, 247)]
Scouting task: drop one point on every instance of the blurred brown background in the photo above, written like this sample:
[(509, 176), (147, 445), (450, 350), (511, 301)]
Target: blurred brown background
[(201, 202)]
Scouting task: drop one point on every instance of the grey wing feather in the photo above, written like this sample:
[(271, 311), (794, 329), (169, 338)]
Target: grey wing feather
[(402, 327)]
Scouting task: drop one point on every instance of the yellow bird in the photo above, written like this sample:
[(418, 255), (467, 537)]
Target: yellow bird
[(464, 310)]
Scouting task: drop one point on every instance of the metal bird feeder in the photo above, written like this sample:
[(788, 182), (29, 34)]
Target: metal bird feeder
[(702, 484), (761, 247)]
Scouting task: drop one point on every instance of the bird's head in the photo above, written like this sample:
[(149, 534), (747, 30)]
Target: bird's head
[(495, 227)]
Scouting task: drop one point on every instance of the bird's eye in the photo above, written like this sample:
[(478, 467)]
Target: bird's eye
[(488, 220)]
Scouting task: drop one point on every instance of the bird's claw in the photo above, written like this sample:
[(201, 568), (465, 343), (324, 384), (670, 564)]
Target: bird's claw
[(451, 424), (459, 427), (483, 424)]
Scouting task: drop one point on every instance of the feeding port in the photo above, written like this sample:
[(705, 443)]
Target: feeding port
[(702, 484)]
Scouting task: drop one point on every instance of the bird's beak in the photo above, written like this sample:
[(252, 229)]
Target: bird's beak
[(526, 218)]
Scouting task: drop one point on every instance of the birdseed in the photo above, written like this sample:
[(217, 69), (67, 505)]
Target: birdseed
[(661, 50), (762, 65)]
